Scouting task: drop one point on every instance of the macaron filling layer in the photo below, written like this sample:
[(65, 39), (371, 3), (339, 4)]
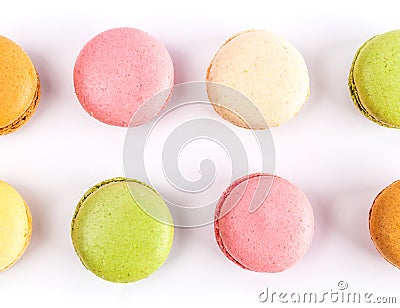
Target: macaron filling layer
[(25, 117)]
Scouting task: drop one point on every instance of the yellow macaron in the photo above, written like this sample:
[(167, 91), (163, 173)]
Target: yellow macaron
[(15, 226), (19, 87)]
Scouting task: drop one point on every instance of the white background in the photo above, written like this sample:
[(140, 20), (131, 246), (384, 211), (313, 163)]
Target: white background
[(340, 159)]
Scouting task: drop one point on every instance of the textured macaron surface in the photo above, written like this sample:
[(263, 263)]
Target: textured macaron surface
[(117, 74), (267, 70), (15, 226), (384, 223), (114, 235), (374, 79), (19, 86), (271, 237)]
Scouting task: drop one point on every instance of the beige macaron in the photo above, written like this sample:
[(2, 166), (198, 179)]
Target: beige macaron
[(15, 226), (257, 80)]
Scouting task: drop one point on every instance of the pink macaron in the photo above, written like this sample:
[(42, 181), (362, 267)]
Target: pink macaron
[(264, 223), (123, 77)]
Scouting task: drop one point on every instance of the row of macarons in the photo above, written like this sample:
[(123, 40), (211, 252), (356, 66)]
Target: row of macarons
[(123, 231), (116, 76), (124, 77)]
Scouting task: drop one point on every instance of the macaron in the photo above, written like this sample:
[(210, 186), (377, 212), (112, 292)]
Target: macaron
[(15, 226), (19, 87), (257, 80), (384, 223), (122, 230), (263, 223), (374, 79), (123, 77)]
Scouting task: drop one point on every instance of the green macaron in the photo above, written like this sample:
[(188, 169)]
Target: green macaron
[(122, 230), (374, 79)]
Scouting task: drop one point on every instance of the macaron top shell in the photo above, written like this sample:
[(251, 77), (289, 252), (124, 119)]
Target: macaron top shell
[(384, 222), (118, 72), (19, 86), (266, 69), (374, 79), (271, 237), (114, 235), (15, 226)]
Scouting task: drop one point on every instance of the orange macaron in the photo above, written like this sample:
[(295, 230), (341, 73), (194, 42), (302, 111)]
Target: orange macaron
[(384, 223), (19, 87)]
